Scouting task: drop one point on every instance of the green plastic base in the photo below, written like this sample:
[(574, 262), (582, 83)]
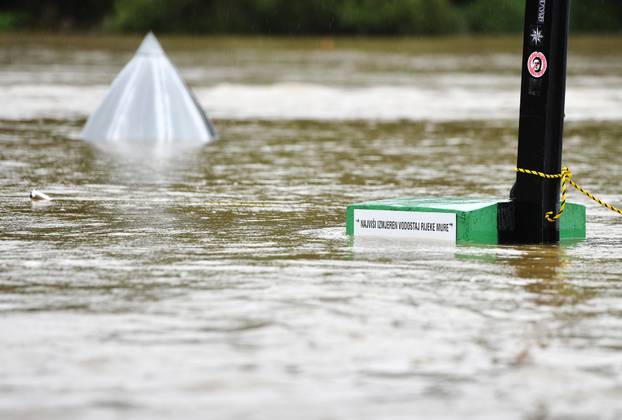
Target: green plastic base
[(475, 220)]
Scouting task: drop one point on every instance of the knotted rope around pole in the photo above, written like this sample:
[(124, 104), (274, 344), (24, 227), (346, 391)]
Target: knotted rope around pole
[(566, 177)]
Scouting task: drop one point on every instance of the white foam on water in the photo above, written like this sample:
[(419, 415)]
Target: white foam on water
[(441, 101)]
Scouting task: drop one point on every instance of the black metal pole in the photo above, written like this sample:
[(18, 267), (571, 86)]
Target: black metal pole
[(541, 124)]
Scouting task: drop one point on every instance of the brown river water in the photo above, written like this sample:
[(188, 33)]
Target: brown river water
[(219, 282)]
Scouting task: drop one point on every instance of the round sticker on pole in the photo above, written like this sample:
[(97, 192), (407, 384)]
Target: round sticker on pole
[(537, 64)]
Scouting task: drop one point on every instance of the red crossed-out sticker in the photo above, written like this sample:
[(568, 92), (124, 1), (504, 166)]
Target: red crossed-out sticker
[(537, 64)]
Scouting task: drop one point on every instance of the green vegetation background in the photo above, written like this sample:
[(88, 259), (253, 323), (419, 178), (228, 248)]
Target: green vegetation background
[(294, 17)]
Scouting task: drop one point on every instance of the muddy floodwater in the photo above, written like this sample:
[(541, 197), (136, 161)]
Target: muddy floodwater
[(219, 283)]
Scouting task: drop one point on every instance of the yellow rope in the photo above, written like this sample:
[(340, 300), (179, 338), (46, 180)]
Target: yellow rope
[(566, 177)]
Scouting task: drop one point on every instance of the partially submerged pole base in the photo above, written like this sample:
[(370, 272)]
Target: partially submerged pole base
[(520, 220), (454, 220)]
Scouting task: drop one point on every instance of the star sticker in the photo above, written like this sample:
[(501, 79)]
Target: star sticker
[(536, 36)]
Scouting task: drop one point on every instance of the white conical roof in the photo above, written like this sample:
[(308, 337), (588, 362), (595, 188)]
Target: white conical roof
[(149, 103), (150, 45)]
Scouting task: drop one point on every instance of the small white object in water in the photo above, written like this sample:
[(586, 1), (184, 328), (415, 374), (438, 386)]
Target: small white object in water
[(149, 104), (39, 196)]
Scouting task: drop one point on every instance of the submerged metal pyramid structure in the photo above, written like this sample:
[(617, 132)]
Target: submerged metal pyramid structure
[(149, 104)]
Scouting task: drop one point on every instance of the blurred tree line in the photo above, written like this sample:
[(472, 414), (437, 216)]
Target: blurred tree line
[(295, 17)]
